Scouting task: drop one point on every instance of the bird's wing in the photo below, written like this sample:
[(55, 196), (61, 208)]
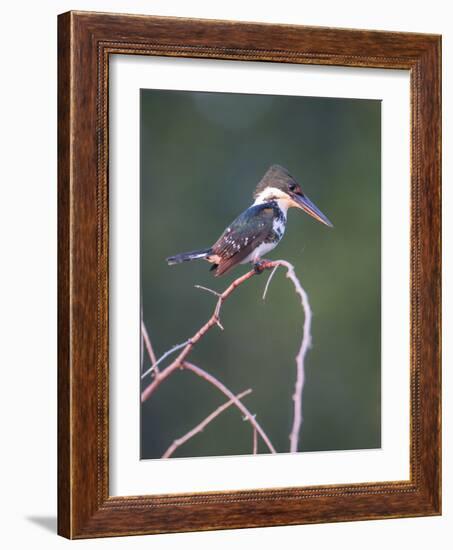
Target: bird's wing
[(247, 232)]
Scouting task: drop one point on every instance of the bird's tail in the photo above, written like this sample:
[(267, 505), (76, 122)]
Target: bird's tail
[(189, 256)]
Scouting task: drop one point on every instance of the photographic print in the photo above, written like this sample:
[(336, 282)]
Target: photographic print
[(260, 220), (249, 290)]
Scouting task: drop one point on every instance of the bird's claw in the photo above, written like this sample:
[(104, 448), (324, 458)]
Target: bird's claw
[(259, 267)]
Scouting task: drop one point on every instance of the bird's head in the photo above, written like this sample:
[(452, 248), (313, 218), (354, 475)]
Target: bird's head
[(278, 184)]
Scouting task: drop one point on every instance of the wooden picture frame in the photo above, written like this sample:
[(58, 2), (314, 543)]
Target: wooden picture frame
[(85, 42)]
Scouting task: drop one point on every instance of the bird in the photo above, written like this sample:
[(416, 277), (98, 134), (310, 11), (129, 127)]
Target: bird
[(259, 229)]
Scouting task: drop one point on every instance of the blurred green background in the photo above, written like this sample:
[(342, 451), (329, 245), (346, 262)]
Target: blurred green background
[(202, 154)]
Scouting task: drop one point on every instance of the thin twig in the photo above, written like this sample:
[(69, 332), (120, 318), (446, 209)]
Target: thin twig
[(202, 425), (208, 290), (149, 348), (255, 442), (164, 356), (220, 386), (219, 324), (269, 280)]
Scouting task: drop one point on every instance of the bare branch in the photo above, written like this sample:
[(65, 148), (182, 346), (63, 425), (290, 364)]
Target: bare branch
[(300, 358), (269, 280), (208, 290), (164, 356), (180, 361), (202, 425), (189, 344), (248, 415), (149, 348), (255, 441)]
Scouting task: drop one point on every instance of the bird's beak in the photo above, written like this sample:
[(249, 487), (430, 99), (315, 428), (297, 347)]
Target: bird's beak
[(304, 203)]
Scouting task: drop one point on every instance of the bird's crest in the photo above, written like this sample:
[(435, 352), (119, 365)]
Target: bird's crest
[(276, 176)]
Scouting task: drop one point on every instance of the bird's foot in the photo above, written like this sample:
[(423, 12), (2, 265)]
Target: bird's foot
[(259, 266)]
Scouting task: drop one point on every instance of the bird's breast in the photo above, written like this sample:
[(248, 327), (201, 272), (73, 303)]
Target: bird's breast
[(278, 227), (260, 251)]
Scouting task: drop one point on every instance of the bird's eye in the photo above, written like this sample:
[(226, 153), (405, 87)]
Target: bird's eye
[(292, 186)]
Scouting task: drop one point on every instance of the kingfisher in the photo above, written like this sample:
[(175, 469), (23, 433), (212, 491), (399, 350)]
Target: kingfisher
[(258, 229)]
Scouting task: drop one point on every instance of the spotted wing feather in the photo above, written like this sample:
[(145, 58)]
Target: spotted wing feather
[(248, 231)]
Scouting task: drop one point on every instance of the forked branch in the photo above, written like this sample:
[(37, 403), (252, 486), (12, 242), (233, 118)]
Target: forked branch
[(202, 425), (300, 357), (247, 414), (181, 360)]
